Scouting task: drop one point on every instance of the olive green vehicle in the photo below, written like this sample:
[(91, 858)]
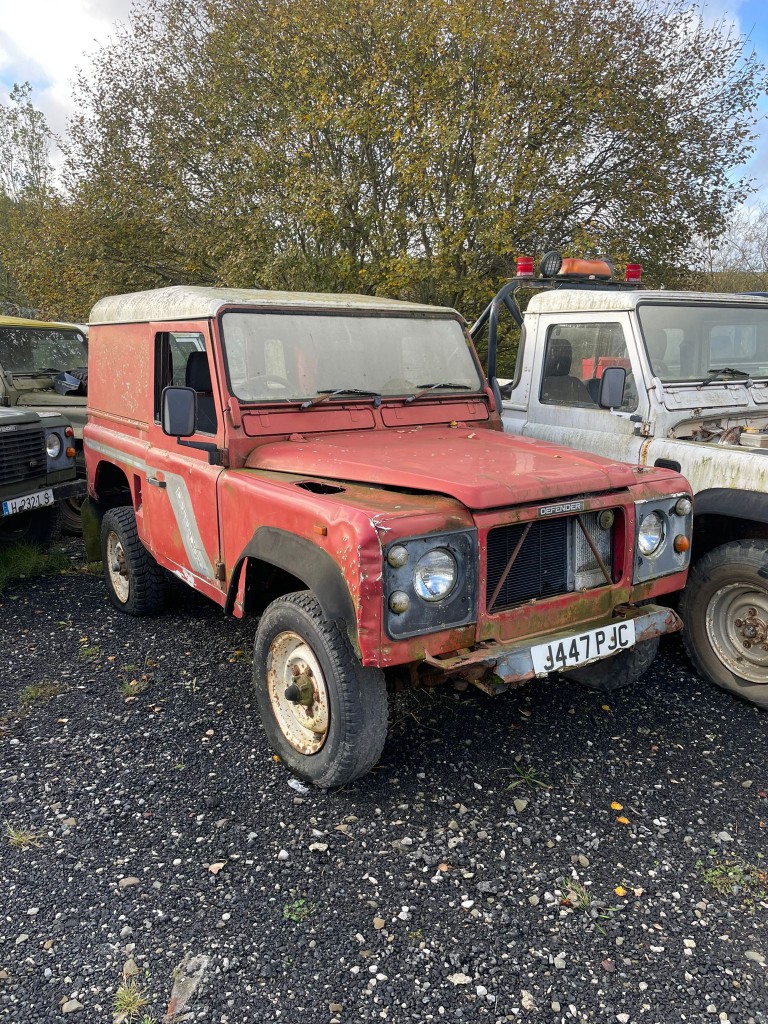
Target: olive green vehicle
[(43, 368), (38, 475)]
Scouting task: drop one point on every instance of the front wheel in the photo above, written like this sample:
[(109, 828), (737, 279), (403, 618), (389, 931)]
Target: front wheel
[(38, 526), (621, 670), (725, 611), (323, 713)]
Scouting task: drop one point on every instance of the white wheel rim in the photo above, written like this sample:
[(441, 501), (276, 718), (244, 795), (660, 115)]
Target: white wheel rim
[(117, 567), (304, 725), (737, 628)]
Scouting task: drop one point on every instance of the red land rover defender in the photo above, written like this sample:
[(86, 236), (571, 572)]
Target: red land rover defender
[(335, 465)]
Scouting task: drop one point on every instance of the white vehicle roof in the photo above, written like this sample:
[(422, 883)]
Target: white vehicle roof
[(183, 302), (585, 300)]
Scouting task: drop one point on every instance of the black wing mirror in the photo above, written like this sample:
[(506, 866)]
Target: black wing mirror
[(179, 411), (612, 385)]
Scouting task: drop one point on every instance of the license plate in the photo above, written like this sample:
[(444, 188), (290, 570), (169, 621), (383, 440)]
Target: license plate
[(39, 499), (583, 647)]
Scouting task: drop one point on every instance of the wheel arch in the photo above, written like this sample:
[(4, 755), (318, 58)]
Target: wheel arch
[(723, 514), (278, 562)]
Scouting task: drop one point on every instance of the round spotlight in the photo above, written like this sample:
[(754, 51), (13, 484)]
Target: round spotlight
[(550, 264)]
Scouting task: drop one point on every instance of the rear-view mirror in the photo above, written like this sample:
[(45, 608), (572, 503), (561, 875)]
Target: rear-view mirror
[(179, 411), (612, 385)]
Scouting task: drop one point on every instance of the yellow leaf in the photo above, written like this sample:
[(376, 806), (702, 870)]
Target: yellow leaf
[(606, 707), (622, 820), (615, 806), (620, 890)]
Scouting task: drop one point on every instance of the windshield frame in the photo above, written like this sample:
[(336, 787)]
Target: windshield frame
[(699, 380), (347, 313)]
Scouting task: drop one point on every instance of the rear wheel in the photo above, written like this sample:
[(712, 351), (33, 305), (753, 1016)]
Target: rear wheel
[(323, 713), (725, 611), (70, 507), (621, 670), (135, 582)]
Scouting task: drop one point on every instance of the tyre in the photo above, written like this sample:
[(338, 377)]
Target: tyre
[(135, 582), (323, 713), (70, 507), (621, 670), (725, 611), (39, 526)]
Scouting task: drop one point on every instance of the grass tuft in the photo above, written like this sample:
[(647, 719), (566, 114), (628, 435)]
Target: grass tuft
[(733, 876), (26, 560), (130, 999), (20, 838), (38, 692)]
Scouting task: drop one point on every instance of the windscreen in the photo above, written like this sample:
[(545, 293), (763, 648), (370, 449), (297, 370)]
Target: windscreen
[(691, 343), (299, 356), (41, 349)]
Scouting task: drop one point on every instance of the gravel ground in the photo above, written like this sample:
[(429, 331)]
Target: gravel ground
[(547, 855)]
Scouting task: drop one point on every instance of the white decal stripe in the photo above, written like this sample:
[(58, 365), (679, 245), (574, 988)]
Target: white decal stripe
[(181, 506)]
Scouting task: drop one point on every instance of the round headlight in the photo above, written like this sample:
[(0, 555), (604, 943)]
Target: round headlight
[(434, 576), (53, 446), (651, 533), (683, 506)]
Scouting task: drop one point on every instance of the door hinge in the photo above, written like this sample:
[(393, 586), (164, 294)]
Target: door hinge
[(220, 571)]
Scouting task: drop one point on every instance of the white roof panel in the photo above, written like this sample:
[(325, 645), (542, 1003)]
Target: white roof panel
[(587, 300), (185, 302)]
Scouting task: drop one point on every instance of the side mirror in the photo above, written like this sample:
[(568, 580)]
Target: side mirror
[(179, 411), (612, 385)]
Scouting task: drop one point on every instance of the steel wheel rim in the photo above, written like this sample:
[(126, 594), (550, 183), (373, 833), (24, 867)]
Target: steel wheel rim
[(303, 725), (737, 628), (117, 567)]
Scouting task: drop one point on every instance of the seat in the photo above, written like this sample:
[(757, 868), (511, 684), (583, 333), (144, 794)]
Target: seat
[(198, 377), (558, 386)]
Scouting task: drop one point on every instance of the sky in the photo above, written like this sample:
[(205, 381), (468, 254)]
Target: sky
[(45, 42)]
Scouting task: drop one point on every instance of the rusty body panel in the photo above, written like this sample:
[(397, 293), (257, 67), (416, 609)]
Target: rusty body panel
[(344, 480)]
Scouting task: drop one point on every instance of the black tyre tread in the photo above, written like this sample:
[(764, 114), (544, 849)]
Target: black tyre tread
[(148, 586), (365, 724), (753, 553), (616, 673)]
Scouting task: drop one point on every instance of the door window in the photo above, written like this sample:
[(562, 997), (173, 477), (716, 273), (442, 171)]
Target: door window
[(181, 361), (574, 360)]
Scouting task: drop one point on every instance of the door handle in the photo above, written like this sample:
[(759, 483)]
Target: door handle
[(156, 482)]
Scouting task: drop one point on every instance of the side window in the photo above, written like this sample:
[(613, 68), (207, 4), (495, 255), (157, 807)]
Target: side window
[(574, 360), (181, 361)]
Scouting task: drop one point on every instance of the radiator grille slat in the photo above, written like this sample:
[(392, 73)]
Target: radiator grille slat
[(555, 559), (23, 456)]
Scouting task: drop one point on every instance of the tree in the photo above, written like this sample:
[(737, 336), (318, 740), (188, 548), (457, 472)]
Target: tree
[(737, 260), (411, 149)]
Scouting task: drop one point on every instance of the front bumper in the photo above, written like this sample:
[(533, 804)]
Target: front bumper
[(513, 663)]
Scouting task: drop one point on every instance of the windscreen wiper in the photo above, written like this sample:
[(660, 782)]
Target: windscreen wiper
[(323, 396), (426, 388), (723, 373)]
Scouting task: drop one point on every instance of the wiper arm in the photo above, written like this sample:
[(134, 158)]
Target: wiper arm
[(723, 373), (323, 396), (426, 388)]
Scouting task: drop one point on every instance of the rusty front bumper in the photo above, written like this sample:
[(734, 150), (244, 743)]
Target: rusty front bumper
[(513, 663)]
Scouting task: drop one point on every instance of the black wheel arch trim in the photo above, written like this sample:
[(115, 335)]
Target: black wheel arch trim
[(307, 562), (736, 504)]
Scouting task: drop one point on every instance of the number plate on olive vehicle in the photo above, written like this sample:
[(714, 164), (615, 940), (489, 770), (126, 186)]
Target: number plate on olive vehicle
[(40, 499), (583, 647)]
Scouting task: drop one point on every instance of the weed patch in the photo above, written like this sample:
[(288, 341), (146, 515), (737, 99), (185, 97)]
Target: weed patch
[(25, 561)]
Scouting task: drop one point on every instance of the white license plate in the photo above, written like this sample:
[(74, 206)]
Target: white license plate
[(37, 500), (583, 647)]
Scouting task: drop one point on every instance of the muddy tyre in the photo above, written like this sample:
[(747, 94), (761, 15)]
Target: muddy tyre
[(323, 713), (725, 611), (70, 507), (39, 526), (616, 673), (135, 581)]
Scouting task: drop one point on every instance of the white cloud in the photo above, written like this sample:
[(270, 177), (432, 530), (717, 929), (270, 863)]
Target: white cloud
[(45, 42)]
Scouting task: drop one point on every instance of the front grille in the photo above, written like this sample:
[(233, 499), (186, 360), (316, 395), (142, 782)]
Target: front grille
[(22, 456), (555, 558)]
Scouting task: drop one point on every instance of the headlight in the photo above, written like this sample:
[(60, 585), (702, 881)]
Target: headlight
[(435, 575), (650, 534), (53, 446)]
